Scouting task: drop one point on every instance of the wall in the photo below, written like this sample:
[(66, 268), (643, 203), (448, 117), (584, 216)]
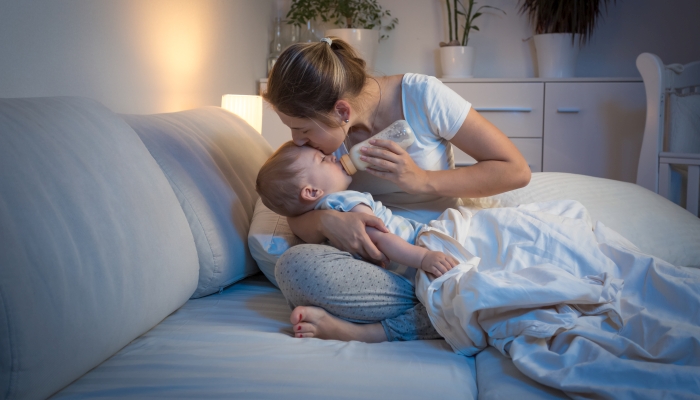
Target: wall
[(134, 56), (667, 28), (152, 56)]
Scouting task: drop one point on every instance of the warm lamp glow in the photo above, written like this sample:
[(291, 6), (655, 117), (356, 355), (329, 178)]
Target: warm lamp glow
[(247, 107)]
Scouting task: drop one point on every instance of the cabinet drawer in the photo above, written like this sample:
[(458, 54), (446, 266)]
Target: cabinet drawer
[(530, 148), (515, 108)]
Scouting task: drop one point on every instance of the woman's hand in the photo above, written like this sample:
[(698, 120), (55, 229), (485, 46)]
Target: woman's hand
[(346, 231), (389, 161)]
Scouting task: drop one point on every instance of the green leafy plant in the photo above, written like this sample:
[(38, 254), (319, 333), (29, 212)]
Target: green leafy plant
[(459, 35), (565, 16), (358, 14)]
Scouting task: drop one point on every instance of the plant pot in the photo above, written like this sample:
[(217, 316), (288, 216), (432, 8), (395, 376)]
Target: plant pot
[(364, 41), (457, 61), (556, 55)]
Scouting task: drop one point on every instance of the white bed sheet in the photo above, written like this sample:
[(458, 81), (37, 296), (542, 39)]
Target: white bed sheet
[(237, 344)]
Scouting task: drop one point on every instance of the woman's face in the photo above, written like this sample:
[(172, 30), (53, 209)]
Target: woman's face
[(306, 131)]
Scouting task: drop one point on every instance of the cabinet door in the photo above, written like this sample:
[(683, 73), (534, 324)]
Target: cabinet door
[(594, 128), (531, 149)]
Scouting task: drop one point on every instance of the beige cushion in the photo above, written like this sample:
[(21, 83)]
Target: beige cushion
[(268, 238), (211, 158)]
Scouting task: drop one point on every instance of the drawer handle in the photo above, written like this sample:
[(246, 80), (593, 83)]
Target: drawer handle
[(503, 109), (566, 110)]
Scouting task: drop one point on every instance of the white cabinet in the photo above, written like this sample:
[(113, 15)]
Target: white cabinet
[(590, 126)]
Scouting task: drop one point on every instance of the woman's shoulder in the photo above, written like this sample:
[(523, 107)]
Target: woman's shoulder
[(421, 85), (411, 78)]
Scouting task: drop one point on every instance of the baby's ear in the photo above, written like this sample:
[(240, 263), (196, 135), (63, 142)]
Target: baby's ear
[(310, 193)]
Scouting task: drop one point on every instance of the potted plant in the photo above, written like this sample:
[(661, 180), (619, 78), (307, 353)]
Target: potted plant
[(456, 56), (561, 27), (360, 22)]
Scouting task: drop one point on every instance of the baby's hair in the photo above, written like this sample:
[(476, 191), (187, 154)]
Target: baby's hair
[(279, 182), (309, 78)]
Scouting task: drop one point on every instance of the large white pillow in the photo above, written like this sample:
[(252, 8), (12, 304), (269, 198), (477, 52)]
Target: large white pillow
[(211, 158), (655, 225), (94, 247), (268, 238)]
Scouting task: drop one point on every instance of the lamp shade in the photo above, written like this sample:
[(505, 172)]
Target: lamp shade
[(247, 107)]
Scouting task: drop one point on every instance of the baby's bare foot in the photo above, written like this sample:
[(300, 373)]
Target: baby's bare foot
[(315, 322)]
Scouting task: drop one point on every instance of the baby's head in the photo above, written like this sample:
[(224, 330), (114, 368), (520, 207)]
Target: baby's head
[(295, 178)]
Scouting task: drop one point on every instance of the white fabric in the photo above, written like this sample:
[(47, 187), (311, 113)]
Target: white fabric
[(211, 158), (269, 237), (435, 113), (94, 247), (238, 345), (547, 290)]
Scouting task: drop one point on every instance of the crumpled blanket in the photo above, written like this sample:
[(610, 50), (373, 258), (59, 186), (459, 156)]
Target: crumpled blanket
[(576, 306)]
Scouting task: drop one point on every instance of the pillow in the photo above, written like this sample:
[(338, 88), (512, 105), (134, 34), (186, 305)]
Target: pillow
[(652, 223), (94, 247), (211, 158), (268, 238)]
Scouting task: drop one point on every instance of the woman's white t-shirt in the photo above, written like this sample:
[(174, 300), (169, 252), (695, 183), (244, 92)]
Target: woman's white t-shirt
[(435, 113)]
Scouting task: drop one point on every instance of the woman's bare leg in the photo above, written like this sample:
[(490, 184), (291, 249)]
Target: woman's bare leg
[(309, 321)]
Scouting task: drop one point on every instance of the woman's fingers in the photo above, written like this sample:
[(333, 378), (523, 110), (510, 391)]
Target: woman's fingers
[(383, 155), (374, 222)]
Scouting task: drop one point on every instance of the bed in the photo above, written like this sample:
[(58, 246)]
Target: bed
[(97, 307)]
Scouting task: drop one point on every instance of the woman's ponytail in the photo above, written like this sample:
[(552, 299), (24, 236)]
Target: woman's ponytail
[(309, 78)]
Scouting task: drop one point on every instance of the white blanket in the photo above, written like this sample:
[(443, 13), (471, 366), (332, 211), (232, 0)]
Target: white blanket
[(576, 307)]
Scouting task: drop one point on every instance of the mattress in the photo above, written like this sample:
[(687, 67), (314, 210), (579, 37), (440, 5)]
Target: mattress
[(238, 344)]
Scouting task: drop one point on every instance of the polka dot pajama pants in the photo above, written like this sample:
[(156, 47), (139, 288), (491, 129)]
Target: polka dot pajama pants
[(354, 290)]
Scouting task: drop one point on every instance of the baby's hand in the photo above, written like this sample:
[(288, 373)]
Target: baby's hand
[(437, 263)]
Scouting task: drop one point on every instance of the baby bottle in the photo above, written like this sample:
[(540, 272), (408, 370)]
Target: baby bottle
[(399, 132)]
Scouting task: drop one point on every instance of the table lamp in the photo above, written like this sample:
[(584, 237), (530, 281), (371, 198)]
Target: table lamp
[(247, 107)]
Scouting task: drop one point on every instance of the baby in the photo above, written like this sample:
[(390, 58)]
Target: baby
[(295, 180)]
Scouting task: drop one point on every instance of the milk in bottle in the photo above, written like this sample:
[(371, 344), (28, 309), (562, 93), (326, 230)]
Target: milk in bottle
[(399, 132)]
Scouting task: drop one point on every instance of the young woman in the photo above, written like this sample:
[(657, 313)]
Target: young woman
[(322, 92)]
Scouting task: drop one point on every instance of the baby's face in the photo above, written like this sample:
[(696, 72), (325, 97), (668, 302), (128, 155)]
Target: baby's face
[(323, 171)]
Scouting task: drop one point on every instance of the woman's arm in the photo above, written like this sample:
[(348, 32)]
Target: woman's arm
[(500, 167), (345, 231)]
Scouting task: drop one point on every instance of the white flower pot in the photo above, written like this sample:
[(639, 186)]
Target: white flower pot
[(365, 42), (457, 61), (556, 56)]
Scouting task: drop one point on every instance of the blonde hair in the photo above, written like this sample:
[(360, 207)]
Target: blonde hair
[(309, 78), (279, 182)]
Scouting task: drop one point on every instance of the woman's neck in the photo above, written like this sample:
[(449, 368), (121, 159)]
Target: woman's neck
[(379, 108)]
